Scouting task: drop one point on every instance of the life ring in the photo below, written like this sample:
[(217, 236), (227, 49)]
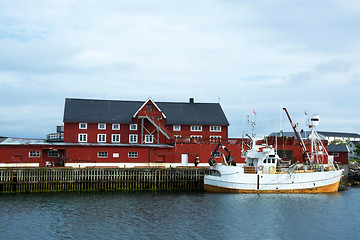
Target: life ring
[(272, 169), (261, 167)]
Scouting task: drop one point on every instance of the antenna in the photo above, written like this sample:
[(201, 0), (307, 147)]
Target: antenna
[(252, 123)]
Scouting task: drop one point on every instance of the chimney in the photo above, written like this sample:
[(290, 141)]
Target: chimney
[(191, 100)]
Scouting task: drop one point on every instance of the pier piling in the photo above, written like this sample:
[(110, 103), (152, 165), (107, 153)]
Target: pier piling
[(100, 179)]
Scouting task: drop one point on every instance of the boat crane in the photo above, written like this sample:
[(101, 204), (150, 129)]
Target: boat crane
[(304, 151), (229, 159)]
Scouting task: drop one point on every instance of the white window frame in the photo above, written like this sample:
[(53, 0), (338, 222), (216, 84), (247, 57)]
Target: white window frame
[(101, 138), (149, 138), (116, 155), (196, 128), (82, 127), (81, 137), (102, 154), (117, 138), (116, 124), (176, 128), (34, 154), (133, 136), (133, 154), (53, 153), (196, 136), (133, 127), (215, 136), (101, 124), (215, 128)]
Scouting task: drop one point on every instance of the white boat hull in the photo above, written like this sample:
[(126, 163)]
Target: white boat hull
[(233, 179)]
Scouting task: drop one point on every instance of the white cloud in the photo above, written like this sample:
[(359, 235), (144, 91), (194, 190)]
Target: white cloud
[(263, 55)]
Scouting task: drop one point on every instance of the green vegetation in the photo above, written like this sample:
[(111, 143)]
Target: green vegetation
[(339, 142)]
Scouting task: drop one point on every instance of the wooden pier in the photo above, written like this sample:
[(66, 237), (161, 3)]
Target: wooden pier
[(14, 180)]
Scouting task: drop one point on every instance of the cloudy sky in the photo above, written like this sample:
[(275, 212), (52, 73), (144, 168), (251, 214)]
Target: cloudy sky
[(262, 55)]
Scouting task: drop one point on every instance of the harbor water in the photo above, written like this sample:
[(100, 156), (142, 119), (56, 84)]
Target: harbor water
[(179, 215)]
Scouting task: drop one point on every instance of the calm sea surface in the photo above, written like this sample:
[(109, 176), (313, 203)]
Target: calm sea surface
[(179, 215)]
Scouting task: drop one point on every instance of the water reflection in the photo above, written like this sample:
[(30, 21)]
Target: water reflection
[(178, 215)]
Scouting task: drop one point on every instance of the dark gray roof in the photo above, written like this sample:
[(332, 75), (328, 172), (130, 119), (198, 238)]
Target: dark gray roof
[(113, 111), (321, 133), (304, 135), (339, 134), (337, 148)]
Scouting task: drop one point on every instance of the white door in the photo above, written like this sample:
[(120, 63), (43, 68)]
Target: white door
[(184, 159)]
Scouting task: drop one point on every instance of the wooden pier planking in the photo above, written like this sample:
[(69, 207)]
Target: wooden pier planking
[(100, 179)]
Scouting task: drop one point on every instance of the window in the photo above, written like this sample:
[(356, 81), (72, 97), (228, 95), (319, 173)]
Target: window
[(149, 108), (195, 136), (101, 137), (116, 126), (34, 154), (102, 154), (149, 139), (215, 128), (133, 138), (82, 137), (133, 154), (115, 138), (82, 125), (196, 128), (102, 126), (336, 154), (176, 128), (133, 126), (215, 136), (53, 153), (116, 155)]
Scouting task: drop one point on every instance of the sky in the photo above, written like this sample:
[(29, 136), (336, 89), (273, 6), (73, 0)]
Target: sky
[(247, 55)]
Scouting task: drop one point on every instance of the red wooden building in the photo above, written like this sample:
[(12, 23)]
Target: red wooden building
[(340, 153), (134, 133)]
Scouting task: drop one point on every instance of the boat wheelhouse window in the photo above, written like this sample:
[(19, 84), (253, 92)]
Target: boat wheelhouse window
[(264, 161), (271, 155), (269, 160), (273, 160)]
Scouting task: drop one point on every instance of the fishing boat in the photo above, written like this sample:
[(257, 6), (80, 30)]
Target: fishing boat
[(265, 172)]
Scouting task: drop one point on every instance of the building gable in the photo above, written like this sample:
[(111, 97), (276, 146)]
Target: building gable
[(145, 108)]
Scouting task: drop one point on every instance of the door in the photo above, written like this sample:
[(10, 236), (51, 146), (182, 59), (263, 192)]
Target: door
[(184, 159)]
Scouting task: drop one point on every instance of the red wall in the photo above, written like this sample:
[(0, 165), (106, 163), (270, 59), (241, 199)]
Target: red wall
[(20, 154), (343, 157), (71, 131)]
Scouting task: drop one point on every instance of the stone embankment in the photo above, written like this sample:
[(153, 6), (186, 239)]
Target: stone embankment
[(354, 174)]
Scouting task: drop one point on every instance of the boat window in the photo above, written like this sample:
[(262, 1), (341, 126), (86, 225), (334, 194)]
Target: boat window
[(269, 160), (264, 161), (273, 160)]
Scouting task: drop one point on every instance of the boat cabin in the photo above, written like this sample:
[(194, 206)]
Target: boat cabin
[(263, 160)]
